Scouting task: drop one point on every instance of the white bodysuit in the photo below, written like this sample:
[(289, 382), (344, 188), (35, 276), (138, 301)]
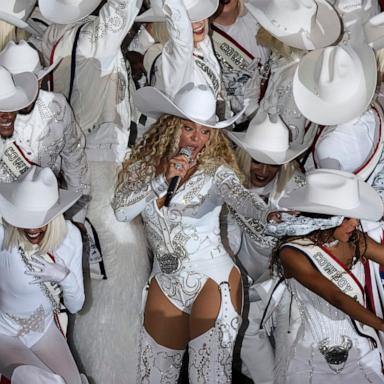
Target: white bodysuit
[(185, 237)]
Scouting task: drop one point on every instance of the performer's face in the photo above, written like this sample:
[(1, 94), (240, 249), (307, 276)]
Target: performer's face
[(345, 230), (195, 136), (200, 31), (7, 123), (261, 174), (7, 120), (35, 235)]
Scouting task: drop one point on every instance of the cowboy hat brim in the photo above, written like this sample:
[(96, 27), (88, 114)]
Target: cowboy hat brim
[(153, 103), (370, 206), (196, 13), (45, 71), (16, 12), (22, 218), (325, 32), (11, 19), (323, 112), (59, 13), (274, 157), (27, 88)]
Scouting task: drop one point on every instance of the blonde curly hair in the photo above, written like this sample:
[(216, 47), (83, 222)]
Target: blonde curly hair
[(161, 142)]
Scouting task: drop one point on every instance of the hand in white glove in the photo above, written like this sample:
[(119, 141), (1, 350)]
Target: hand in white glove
[(46, 271)]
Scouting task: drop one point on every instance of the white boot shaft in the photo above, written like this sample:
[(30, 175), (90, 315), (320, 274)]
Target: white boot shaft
[(157, 364)]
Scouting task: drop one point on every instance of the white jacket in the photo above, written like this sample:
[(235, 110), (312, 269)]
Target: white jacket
[(50, 137), (102, 89), (180, 63)]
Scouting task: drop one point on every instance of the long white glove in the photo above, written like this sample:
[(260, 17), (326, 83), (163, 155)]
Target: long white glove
[(46, 271)]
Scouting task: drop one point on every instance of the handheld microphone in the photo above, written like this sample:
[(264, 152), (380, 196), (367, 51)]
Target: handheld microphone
[(175, 181)]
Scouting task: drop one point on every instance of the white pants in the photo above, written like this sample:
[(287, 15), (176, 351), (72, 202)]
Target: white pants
[(256, 350), (51, 353), (309, 366)]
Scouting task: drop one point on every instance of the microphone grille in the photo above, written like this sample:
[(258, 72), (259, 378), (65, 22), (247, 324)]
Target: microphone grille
[(186, 152)]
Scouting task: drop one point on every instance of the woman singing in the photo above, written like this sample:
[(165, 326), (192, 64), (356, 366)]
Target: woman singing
[(194, 293)]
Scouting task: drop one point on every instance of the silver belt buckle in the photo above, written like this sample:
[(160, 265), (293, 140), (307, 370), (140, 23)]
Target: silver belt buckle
[(169, 262), (337, 355)]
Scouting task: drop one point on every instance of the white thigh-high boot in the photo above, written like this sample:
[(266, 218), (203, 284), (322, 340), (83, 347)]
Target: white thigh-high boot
[(157, 364), (210, 354)]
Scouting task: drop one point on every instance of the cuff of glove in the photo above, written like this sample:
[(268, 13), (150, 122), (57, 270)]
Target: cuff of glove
[(159, 185)]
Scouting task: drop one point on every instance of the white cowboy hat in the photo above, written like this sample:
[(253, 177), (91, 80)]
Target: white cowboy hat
[(67, 11), (17, 91), (267, 141), (374, 31), (303, 24), (355, 146), (336, 193), (16, 12), (333, 85), (35, 200), (34, 375), (21, 57), (197, 10), (194, 103)]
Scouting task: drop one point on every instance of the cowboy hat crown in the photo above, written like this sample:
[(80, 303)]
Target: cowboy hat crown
[(335, 193), (196, 103), (21, 57), (333, 85), (267, 140), (67, 11), (302, 24), (17, 91), (197, 10), (34, 200)]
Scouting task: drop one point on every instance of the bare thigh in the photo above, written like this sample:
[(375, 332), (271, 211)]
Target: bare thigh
[(206, 307), (167, 324)]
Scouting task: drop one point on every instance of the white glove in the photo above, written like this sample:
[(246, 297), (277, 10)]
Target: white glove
[(45, 271)]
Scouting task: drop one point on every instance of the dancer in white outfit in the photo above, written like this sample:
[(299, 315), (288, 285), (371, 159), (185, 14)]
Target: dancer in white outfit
[(335, 339), (244, 63), (41, 258), (194, 293), (266, 157), (188, 54)]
